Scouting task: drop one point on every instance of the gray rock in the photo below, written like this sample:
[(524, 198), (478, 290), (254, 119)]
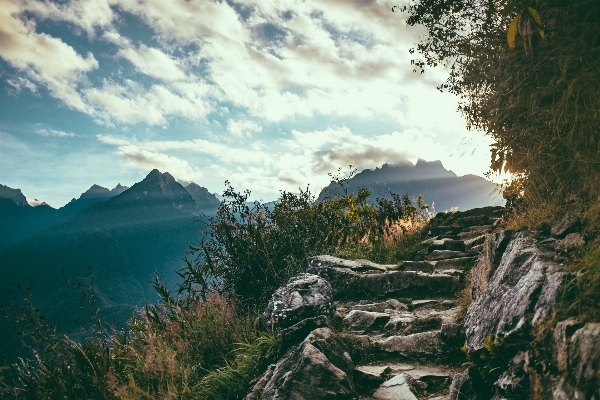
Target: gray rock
[(399, 323), (298, 307), (446, 254), (573, 240), (584, 359), (564, 224), (475, 231), (461, 263), (488, 261), (348, 284), (469, 244), (423, 266), (520, 294), (561, 339), (396, 388), (368, 377), (359, 321), (462, 387), (452, 333), (425, 344), (318, 368)]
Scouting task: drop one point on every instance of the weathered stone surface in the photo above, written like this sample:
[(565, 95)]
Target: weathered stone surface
[(359, 321), (423, 266), (488, 261), (422, 304), (304, 297), (452, 333), (399, 323), (324, 261), (368, 377), (584, 360), (348, 284), (425, 344), (573, 240), (460, 389), (396, 388), (446, 254), (520, 294), (564, 224), (461, 263), (475, 231), (470, 243), (318, 368), (561, 339)]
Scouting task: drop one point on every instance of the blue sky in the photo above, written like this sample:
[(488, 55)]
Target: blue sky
[(269, 95)]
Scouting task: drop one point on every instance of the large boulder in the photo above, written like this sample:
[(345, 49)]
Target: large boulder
[(319, 367), (298, 307), (521, 293)]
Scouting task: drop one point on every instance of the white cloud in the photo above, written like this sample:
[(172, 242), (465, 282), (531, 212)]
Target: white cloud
[(41, 57), (54, 132), (243, 127), (266, 168), (19, 83)]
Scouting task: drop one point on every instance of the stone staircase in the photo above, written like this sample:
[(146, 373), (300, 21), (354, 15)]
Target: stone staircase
[(402, 317), (406, 313)]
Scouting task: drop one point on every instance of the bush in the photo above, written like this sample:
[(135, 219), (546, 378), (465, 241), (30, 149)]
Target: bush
[(253, 249)]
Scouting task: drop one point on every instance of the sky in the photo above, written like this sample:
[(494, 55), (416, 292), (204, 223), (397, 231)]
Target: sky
[(270, 95)]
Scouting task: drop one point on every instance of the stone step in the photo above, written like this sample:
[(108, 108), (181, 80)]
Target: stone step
[(437, 255), (475, 231), (424, 381), (461, 263), (350, 284), (422, 266), (443, 244)]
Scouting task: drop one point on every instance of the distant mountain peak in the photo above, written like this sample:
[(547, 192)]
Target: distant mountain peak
[(205, 200), (13, 194), (94, 192), (118, 189)]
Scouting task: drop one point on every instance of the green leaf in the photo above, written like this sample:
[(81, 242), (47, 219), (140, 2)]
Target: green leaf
[(512, 32)]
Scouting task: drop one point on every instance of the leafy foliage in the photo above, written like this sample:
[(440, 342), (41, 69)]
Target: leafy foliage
[(254, 248), (526, 72)]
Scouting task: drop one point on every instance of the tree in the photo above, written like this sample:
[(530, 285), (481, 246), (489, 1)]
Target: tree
[(528, 74)]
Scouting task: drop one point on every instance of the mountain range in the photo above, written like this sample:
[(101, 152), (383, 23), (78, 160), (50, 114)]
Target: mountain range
[(111, 242), (440, 188)]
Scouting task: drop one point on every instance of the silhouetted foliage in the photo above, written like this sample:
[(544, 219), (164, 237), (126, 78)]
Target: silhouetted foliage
[(527, 74)]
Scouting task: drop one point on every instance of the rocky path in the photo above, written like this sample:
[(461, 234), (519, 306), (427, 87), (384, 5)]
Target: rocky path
[(405, 315), (398, 321)]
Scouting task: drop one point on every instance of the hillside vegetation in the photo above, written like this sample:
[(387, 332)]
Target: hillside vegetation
[(527, 74)]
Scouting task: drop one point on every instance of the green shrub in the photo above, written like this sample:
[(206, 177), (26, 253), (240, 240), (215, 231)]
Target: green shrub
[(253, 249)]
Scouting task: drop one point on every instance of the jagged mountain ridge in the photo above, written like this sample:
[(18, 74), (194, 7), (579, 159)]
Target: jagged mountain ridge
[(429, 179), (124, 240)]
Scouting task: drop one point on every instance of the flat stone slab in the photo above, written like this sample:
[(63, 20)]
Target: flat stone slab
[(446, 254), (422, 303), (359, 321), (348, 284), (423, 266), (460, 263), (396, 388), (425, 344)]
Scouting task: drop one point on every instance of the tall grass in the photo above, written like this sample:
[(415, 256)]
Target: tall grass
[(201, 343)]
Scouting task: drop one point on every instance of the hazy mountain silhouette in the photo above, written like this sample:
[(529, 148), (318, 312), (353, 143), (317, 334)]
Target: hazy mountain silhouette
[(207, 202), (429, 179), (124, 240)]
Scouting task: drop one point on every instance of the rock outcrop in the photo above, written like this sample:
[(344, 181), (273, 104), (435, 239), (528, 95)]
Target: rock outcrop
[(318, 368), (399, 321), (300, 306)]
